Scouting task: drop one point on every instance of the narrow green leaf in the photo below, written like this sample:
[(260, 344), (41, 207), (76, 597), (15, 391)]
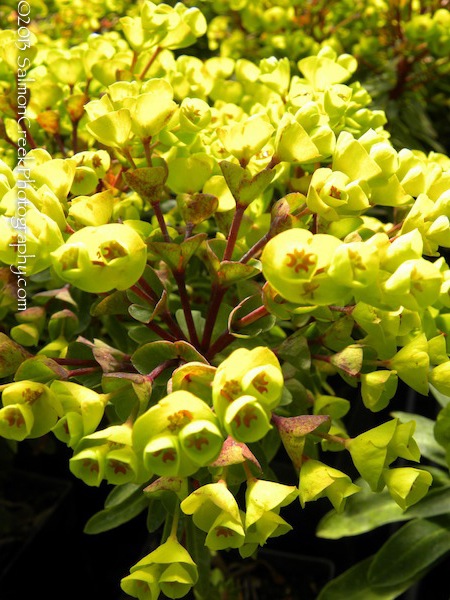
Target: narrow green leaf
[(110, 518), (353, 585), (120, 493), (415, 546), (367, 510)]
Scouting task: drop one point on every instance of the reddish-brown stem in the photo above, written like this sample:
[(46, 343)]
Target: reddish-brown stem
[(150, 62), (226, 338), (220, 344), (217, 294), (162, 333), (86, 371), (186, 306), (87, 362), (146, 142), (234, 230), (75, 136), (127, 154), (150, 297), (256, 248), (172, 362), (161, 221)]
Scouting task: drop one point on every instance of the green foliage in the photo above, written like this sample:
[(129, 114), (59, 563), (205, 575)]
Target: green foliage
[(214, 244)]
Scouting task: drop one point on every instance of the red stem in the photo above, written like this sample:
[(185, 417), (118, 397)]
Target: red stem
[(234, 230)]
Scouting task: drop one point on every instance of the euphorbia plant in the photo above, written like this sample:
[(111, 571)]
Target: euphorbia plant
[(214, 244)]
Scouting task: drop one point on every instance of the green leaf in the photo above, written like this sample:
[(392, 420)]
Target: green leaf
[(120, 493), (229, 272), (367, 511), (110, 518), (150, 355), (295, 350), (176, 256), (41, 369), (353, 585), (414, 547), (148, 182), (156, 515), (114, 304), (424, 436), (349, 360)]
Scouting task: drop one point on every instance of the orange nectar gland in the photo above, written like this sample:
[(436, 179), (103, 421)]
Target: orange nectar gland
[(14, 418), (178, 420), (118, 467), (91, 465), (300, 260), (231, 390), (30, 396), (260, 384), (246, 417), (197, 441), (167, 455), (224, 532)]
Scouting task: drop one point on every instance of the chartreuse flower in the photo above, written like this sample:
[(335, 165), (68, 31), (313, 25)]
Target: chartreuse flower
[(151, 111), (295, 263), (318, 480), (355, 264), (416, 284), (440, 377), (107, 454), (333, 195), (412, 363), (29, 241), (83, 409), (112, 129), (377, 388), (245, 139), (99, 259), (263, 500), (168, 569), (178, 435), (30, 409), (92, 210), (247, 386), (407, 485), (214, 510), (374, 450)]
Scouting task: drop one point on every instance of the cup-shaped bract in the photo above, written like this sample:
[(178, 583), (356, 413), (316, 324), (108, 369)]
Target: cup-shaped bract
[(169, 569), (214, 510), (112, 129), (374, 450), (333, 195), (152, 110), (83, 410), (245, 139), (318, 480), (377, 388), (295, 264), (37, 397), (178, 435), (107, 454), (246, 420), (99, 259), (407, 485), (263, 501), (89, 464), (247, 385), (27, 243)]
